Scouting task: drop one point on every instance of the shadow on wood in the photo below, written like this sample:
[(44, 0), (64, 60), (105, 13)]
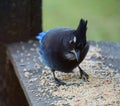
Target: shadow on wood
[(14, 90)]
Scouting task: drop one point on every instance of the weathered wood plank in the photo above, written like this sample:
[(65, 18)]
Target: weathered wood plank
[(29, 69), (22, 58)]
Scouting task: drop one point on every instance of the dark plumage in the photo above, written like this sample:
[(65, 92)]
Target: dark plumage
[(63, 49)]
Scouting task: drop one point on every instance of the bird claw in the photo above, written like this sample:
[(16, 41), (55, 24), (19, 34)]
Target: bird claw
[(58, 82), (84, 75)]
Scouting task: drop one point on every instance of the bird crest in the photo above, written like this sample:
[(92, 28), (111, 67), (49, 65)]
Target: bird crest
[(80, 32)]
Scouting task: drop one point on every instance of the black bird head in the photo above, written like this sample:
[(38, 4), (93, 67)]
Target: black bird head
[(80, 33), (69, 48), (76, 41)]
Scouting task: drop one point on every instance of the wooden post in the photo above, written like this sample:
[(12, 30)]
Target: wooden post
[(20, 20)]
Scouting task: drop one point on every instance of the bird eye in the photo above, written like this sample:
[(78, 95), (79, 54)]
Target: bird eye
[(73, 41)]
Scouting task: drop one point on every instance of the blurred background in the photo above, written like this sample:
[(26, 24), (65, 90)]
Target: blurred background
[(103, 17)]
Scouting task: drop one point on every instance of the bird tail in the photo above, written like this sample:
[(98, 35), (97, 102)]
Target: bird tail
[(80, 32), (41, 35)]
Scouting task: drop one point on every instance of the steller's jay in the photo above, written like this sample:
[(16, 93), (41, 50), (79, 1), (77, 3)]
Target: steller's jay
[(63, 49)]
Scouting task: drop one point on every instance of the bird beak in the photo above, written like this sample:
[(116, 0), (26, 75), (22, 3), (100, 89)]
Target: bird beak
[(76, 54)]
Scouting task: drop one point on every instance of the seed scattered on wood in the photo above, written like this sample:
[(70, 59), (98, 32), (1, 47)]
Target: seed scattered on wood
[(23, 47), (103, 88), (32, 49), (32, 80), (28, 54), (30, 41), (27, 74)]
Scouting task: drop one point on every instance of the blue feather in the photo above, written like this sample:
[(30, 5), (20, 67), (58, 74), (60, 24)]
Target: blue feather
[(41, 36)]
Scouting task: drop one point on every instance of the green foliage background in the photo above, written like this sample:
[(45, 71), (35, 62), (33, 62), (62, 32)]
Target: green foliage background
[(103, 17)]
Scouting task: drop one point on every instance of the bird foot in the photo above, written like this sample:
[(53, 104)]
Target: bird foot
[(58, 82), (84, 75)]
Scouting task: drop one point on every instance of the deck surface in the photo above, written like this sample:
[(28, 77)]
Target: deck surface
[(29, 70)]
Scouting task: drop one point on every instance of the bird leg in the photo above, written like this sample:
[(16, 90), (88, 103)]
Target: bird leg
[(57, 81), (83, 74)]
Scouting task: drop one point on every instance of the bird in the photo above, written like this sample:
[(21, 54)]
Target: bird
[(63, 49)]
